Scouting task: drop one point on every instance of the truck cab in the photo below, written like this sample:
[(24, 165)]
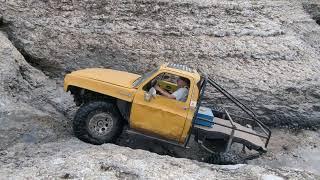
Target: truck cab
[(159, 115)]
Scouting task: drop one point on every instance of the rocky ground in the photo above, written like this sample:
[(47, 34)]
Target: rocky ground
[(298, 149), (265, 52), (70, 158)]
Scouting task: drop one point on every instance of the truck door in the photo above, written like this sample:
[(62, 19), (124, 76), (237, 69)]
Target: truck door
[(161, 116)]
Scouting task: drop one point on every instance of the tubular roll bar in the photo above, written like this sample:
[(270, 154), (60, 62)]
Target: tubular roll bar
[(232, 132), (244, 108)]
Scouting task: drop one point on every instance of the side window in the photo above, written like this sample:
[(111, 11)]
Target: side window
[(172, 84)]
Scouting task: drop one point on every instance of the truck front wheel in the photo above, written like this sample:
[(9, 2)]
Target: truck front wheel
[(97, 122)]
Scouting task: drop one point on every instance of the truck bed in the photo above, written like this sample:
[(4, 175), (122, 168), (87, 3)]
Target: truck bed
[(222, 129)]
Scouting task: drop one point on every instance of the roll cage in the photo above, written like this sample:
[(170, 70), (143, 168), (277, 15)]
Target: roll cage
[(253, 120)]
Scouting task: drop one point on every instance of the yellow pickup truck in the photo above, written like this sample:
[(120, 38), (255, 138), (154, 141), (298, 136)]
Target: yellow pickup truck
[(111, 99)]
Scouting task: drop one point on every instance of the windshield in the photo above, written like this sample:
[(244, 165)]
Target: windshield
[(142, 78)]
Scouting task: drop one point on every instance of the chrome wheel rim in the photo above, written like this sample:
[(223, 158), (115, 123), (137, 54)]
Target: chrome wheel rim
[(100, 124)]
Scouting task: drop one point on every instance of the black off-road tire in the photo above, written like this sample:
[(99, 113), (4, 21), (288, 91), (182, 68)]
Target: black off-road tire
[(225, 158), (85, 118)]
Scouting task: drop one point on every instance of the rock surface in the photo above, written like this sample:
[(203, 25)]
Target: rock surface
[(32, 106), (266, 52), (292, 149), (74, 159)]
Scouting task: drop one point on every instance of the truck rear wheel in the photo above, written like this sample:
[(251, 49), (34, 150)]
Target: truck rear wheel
[(224, 158), (97, 122)]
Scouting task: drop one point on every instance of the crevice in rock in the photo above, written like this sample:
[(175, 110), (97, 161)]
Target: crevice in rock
[(313, 10), (318, 20), (48, 69), (3, 24)]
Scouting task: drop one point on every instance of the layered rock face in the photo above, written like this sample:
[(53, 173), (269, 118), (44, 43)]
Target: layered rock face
[(265, 52), (36, 141)]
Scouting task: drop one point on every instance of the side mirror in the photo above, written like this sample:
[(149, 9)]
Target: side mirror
[(148, 95)]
